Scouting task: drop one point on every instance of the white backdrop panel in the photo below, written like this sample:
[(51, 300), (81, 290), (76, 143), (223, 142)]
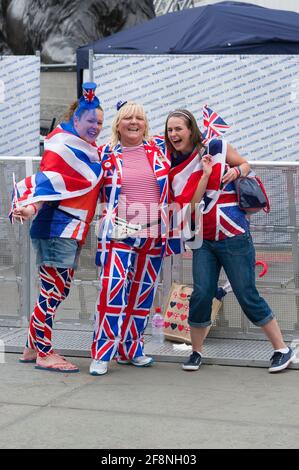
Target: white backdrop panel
[(19, 105), (257, 95)]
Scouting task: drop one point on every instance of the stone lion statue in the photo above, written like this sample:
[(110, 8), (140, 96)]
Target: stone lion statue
[(58, 27)]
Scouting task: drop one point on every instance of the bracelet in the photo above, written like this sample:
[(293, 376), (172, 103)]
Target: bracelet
[(34, 207), (240, 170), (237, 170)]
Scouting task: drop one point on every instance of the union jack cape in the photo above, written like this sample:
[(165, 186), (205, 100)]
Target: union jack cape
[(70, 169), (111, 159), (221, 214)]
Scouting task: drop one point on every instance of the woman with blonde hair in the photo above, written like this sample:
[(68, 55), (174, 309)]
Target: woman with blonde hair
[(132, 238)]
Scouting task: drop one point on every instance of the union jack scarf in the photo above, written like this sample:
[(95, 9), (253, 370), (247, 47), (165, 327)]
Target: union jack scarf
[(70, 168), (222, 217), (221, 214), (185, 176)]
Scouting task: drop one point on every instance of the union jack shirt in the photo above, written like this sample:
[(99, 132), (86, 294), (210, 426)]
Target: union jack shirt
[(222, 217), (68, 183)]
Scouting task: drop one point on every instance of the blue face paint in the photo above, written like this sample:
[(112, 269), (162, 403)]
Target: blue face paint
[(89, 125), (87, 120)]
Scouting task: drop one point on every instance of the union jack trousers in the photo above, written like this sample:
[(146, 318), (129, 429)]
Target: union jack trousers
[(55, 287), (128, 283)]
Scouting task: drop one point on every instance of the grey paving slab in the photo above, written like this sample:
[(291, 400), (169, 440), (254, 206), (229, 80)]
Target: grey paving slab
[(11, 414), (187, 393), (22, 384), (154, 408), (107, 430)]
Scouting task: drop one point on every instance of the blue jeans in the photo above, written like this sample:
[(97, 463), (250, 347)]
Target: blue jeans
[(57, 252), (237, 256)]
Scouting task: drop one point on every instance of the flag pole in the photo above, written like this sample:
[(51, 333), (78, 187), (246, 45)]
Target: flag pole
[(15, 195)]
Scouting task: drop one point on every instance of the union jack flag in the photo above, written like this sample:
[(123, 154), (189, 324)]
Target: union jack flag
[(225, 219), (214, 125), (70, 168), (88, 94), (14, 200), (159, 141), (221, 214), (184, 178)]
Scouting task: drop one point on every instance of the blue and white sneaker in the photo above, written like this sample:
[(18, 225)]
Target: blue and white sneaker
[(98, 367), (123, 361), (140, 361), (280, 361)]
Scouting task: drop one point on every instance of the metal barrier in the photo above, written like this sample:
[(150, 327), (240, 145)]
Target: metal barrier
[(275, 236)]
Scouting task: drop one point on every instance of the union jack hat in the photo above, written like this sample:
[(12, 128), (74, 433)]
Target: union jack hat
[(88, 99), (119, 104)]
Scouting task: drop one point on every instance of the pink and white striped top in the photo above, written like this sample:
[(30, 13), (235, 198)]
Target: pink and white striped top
[(140, 196)]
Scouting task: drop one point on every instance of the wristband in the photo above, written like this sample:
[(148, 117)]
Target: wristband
[(240, 170), (237, 170), (34, 207)]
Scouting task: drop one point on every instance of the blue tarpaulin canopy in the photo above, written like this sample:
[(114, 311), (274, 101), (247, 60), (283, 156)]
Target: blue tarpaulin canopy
[(220, 28)]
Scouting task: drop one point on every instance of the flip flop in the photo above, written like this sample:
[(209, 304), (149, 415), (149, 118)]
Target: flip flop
[(27, 361), (56, 363), (58, 368), (28, 357)]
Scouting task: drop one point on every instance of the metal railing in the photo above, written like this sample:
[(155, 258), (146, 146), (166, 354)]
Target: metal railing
[(275, 236)]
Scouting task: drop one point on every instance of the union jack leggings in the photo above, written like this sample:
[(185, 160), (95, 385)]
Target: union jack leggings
[(128, 283), (55, 287)]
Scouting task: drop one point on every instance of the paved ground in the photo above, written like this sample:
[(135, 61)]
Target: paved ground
[(154, 408)]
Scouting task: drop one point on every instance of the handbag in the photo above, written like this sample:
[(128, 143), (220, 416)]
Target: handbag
[(251, 194), (176, 326), (123, 229)]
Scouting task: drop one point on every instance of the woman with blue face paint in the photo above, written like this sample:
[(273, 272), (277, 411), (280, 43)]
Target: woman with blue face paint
[(62, 196), (86, 123)]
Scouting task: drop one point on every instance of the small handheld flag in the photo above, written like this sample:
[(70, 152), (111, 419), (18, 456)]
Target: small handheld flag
[(14, 202), (214, 125)]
